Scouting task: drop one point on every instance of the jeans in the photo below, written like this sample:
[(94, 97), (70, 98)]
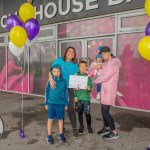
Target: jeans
[(84, 107), (99, 87), (107, 118)]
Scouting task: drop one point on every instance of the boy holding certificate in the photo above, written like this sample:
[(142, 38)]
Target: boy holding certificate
[(82, 99)]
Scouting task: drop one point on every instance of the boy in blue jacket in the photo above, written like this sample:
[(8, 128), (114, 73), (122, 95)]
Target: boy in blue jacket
[(56, 102)]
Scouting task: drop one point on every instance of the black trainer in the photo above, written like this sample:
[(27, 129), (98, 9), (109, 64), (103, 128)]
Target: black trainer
[(80, 131), (90, 131), (111, 136), (104, 131), (75, 133)]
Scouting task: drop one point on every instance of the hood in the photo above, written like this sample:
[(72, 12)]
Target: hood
[(58, 67), (116, 61)]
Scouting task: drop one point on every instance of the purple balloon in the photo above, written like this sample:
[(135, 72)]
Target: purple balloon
[(12, 21), (147, 29), (32, 27)]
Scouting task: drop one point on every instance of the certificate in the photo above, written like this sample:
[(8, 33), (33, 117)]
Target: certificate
[(78, 81)]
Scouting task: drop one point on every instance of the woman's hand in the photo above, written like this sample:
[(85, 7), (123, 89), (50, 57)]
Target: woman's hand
[(66, 108), (52, 81), (46, 107)]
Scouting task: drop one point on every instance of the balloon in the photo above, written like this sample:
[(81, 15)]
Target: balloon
[(32, 27), (147, 7), (18, 36), (147, 29), (12, 21), (29, 43), (26, 11), (15, 50), (144, 47)]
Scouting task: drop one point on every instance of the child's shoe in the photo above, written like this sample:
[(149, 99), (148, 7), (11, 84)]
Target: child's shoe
[(75, 133), (90, 131), (62, 138), (80, 131), (50, 139), (98, 96), (119, 94)]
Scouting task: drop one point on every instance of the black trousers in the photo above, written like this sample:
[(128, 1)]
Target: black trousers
[(107, 118), (71, 111), (84, 107)]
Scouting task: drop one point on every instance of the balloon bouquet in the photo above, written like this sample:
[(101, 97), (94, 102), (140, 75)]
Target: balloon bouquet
[(23, 32), (23, 29), (144, 43)]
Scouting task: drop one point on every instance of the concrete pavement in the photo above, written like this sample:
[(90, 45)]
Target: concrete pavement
[(133, 127)]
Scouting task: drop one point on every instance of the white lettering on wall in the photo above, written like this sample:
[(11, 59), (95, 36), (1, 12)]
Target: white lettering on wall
[(61, 7), (50, 9), (2, 21), (47, 7), (128, 1), (40, 12), (80, 4), (116, 2), (16, 13), (89, 6)]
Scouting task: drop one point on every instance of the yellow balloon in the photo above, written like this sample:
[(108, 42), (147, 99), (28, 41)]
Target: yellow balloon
[(18, 36), (147, 7), (26, 11), (144, 47)]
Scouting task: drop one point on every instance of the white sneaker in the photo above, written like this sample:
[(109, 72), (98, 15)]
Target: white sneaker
[(119, 94), (98, 96)]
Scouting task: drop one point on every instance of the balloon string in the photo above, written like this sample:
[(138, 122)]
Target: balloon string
[(22, 72)]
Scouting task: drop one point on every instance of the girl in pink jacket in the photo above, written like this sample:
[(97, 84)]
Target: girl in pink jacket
[(109, 80)]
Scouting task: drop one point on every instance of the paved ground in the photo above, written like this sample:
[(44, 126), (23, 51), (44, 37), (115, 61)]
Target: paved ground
[(133, 127)]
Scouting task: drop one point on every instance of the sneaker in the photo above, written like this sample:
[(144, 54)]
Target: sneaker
[(90, 131), (111, 136), (104, 131), (98, 96), (50, 139), (80, 131), (75, 133), (62, 138), (119, 94)]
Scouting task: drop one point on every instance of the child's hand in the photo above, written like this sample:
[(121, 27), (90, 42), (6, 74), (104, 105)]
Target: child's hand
[(88, 88), (66, 108), (100, 43), (93, 67), (75, 99), (98, 66), (46, 107), (77, 88)]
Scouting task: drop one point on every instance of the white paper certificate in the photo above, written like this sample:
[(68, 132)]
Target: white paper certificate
[(78, 81)]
